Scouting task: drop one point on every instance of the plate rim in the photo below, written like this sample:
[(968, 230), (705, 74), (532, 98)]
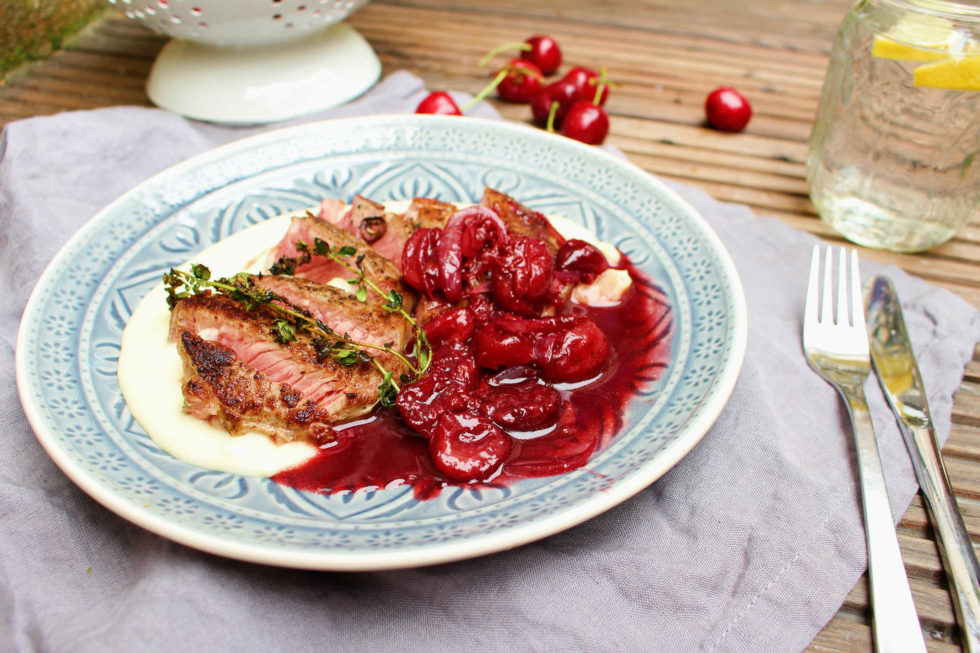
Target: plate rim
[(501, 540)]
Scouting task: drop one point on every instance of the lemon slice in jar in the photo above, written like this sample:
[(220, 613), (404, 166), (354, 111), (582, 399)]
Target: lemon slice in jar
[(952, 74), (951, 60), (919, 38)]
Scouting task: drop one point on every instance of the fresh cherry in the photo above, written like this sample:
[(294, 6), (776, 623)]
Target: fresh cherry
[(587, 81), (586, 122), (542, 51), (522, 80), (440, 103), (727, 109), (564, 93)]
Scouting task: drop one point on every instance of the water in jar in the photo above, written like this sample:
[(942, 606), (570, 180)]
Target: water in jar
[(892, 163)]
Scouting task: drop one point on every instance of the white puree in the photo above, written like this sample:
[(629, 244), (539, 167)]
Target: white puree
[(151, 373)]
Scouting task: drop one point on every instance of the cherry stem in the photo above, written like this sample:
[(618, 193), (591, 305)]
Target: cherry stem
[(487, 90), (551, 116), (598, 86), (504, 47)]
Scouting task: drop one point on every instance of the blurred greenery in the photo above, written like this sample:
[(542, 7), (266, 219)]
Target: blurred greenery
[(32, 29)]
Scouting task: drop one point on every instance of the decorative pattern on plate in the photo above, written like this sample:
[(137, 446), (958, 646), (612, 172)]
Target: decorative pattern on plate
[(69, 342)]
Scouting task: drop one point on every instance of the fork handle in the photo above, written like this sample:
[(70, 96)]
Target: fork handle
[(956, 548), (895, 622)]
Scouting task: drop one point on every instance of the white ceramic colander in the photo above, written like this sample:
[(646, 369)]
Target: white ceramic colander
[(254, 61)]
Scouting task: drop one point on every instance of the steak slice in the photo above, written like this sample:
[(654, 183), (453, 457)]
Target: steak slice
[(345, 314), (386, 232), (220, 389), (425, 213), (341, 392), (377, 268), (520, 220)]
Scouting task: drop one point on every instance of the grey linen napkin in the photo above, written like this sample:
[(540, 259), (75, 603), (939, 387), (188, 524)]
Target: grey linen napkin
[(750, 543)]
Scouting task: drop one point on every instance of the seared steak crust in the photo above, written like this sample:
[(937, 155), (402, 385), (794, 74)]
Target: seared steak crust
[(425, 213), (221, 389), (520, 220)]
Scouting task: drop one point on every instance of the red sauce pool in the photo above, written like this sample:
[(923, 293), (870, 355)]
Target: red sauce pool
[(382, 452)]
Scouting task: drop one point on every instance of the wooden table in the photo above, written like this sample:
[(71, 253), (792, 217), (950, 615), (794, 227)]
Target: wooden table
[(666, 56)]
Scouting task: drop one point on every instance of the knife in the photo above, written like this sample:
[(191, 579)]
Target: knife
[(898, 374)]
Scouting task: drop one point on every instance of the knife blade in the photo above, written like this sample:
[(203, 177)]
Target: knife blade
[(898, 374)]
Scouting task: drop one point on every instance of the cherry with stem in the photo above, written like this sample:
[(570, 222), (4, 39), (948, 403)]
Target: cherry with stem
[(441, 103), (541, 50), (587, 121)]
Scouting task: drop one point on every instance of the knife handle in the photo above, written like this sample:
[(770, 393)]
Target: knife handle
[(956, 549)]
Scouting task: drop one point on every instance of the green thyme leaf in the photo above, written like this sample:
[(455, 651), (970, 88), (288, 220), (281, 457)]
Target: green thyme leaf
[(284, 331), (200, 272), (346, 251), (388, 390), (393, 301)]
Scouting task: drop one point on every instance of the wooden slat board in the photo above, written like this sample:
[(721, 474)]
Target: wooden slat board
[(666, 56)]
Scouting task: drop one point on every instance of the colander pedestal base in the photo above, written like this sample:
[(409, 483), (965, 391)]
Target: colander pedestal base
[(262, 84)]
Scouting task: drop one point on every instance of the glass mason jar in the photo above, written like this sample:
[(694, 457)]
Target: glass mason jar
[(892, 157)]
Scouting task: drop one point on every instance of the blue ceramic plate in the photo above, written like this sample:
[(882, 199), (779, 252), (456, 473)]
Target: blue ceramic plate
[(70, 336)]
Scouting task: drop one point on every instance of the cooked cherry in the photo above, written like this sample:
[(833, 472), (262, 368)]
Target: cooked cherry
[(452, 326), (524, 406), (467, 234), (416, 407), (453, 374), (505, 342), (420, 261), (576, 351), (522, 275), (483, 309), (468, 447), (579, 262)]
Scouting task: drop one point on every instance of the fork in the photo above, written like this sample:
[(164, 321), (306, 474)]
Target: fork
[(836, 347)]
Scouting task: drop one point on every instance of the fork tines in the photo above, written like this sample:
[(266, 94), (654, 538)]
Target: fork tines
[(819, 314)]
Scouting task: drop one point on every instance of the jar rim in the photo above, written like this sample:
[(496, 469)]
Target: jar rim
[(953, 9)]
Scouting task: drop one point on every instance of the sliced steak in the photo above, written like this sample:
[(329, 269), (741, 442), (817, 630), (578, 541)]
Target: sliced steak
[(425, 213), (345, 314), (520, 220), (341, 392), (377, 268), (220, 389), (386, 232)]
